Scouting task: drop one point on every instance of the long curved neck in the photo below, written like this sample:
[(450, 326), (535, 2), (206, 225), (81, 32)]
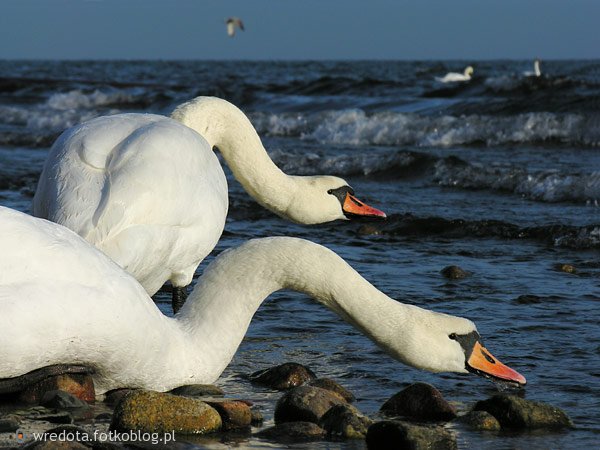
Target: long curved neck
[(217, 314), (226, 127), (536, 68)]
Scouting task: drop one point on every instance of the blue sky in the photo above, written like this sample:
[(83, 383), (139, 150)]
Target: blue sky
[(301, 29)]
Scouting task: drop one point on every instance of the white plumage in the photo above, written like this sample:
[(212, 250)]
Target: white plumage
[(64, 302)]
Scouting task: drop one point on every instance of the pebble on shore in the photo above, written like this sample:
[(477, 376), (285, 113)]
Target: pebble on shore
[(78, 385), (395, 434), (306, 404), (151, 411), (334, 386), (518, 413), (345, 422), (284, 376), (420, 402)]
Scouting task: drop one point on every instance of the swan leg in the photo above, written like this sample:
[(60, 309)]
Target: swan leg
[(179, 298)]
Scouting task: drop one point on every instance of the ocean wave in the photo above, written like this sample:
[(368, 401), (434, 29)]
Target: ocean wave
[(567, 236), (550, 186), (396, 164), (77, 99), (356, 127), (546, 186)]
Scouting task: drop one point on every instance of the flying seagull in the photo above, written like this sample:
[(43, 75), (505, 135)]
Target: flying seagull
[(233, 22)]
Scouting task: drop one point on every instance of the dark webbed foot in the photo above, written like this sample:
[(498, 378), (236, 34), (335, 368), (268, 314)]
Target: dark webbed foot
[(179, 297)]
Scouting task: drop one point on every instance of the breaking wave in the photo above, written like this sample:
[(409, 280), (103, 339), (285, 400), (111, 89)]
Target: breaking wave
[(356, 127)]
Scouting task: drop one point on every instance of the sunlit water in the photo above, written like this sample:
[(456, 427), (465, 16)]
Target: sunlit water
[(475, 157)]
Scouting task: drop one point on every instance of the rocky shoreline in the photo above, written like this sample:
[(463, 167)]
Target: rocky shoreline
[(309, 409)]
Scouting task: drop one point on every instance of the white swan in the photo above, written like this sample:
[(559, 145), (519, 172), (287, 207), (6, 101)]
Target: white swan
[(64, 302), (452, 77), (536, 70), (149, 191)]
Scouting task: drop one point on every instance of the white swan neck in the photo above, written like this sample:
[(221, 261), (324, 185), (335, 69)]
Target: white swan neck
[(224, 126), (536, 68), (219, 310)]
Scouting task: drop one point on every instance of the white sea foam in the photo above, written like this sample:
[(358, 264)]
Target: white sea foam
[(78, 100), (63, 110), (355, 127)]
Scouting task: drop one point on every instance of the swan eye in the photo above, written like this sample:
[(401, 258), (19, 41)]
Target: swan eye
[(330, 191), (452, 336)]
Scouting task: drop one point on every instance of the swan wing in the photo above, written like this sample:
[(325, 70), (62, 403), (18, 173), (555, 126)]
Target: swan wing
[(145, 189), (64, 301)]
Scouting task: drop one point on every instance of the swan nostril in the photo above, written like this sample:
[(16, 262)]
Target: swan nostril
[(488, 357)]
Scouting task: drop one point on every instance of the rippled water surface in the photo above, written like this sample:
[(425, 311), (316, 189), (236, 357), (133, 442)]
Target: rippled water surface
[(500, 176)]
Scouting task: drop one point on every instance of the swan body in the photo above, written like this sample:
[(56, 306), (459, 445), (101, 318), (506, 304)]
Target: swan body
[(64, 302), (536, 70), (452, 77), (149, 191)]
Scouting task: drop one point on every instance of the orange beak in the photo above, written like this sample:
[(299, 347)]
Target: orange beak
[(355, 207), (481, 361)]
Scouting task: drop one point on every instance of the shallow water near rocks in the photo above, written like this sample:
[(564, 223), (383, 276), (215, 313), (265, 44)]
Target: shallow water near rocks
[(520, 152)]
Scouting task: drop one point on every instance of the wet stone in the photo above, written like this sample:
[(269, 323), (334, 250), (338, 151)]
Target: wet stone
[(111, 398), (345, 422), (293, 432), (528, 299), (480, 420), (369, 230), (103, 417), (256, 417), (47, 415), (394, 435), (9, 424), (78, 385), (151, 411), (516, 412), (454, 273), (305, 404), (567, 268), (62, 400), (198, 390), (330, 385), (284, 376), (420, 402), (234, 414)]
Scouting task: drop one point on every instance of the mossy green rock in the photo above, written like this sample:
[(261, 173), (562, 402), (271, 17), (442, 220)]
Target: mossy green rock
[(516, 412), (160, 412), (346, 422), (480, 420)]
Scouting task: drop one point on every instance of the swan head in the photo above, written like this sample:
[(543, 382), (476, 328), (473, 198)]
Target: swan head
[(320, 199), (442, 343), (469, 71)]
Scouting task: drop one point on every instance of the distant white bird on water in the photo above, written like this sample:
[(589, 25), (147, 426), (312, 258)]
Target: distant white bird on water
[(536, 70), (233, 22), (452, 77)]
